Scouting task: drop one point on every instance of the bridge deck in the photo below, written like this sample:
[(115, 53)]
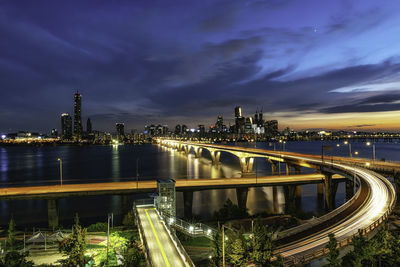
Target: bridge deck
[(162, 250), (149, 186)]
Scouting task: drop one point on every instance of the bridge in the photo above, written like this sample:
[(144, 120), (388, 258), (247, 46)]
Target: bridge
[(365, 211)]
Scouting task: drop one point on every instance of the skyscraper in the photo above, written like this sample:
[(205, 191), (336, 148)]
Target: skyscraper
[(89, 126), (77, 115), (66, 126), (219, 124), (120, 131), (238, 112)]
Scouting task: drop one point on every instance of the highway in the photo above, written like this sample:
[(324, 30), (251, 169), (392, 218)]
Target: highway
[(378, 201), (162, 250), (149, 186)]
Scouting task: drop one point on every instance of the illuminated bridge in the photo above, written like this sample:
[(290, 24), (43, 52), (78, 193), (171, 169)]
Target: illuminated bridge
[(365, 211)]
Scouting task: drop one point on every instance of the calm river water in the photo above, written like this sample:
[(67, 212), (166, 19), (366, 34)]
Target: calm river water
[(26, 165)]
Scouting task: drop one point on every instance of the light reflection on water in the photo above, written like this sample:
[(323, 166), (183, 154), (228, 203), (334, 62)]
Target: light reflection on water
[(108, 163)]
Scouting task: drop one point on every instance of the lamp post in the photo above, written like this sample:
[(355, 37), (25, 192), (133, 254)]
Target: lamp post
[(373, 150), (108, 236), (137, 173), (347, 143), (223, 242), (60, 160)]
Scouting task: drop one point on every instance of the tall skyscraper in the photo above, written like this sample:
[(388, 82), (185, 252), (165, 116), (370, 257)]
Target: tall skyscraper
[(66, 126), (77, 115), (120, 131), (219, 124), (238, 112), (89, 126)]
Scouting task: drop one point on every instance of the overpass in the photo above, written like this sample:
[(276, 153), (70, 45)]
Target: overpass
[(366, 210)]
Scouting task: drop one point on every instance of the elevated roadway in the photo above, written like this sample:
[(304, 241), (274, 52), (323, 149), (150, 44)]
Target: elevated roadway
[(161, 249), (68, 190), (368, 208)]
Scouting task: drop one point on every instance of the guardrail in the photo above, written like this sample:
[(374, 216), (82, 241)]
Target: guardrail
[(315, 221), (192, 229), (307, 257), (142, 238)]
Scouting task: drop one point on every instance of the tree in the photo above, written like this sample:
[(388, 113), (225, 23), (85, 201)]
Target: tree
[(263, 246), (363, 252), (383, 245), (216, 259), (74, 246), (333, 256), (238, 249), (129, 220), (11, 233), (15, 259), (133, 256)]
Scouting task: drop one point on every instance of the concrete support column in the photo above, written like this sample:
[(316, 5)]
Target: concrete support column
[(274, 167), (188, 203), (275, 199), (330, 191), (297, 170), (288, 169), (187, 150), (215, 155), (320, 196), (289, 191), (241, 195), (197, 152), (52, 212), (125, 204), (247, 164)]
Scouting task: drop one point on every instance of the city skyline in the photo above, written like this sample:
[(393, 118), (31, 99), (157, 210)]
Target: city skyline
[(310, 65)]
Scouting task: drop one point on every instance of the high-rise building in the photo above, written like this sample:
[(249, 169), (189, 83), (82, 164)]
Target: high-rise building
[(120, 131), (219, 124), (178, 129), (238, 112), (77, 115), (66, 126), (258, 118), (88, 126), (271, 127)]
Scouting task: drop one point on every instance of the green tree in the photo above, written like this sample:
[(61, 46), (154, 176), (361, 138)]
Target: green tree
[(216, 259), (333, 256), (383, 244), (129, 220), (133, 256), (238, 249), (74, 246), (11, 234), (15, 259), (263, 246), (363, 252)]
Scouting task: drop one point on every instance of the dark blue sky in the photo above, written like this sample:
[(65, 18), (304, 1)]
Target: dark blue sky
[(309, 64)]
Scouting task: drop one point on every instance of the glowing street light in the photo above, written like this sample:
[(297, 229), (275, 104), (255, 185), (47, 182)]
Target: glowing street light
[(373, 149)]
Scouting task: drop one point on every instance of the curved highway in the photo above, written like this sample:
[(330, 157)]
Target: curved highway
[(377, 201)]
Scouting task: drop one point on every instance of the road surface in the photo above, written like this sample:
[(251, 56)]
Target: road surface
[(162, 250)]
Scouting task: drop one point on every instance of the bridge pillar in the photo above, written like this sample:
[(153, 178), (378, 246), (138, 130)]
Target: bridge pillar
[(187, 149), (215, 155), (125, 204), (246, 164), (52, 212), (275, 199), (188, 203), (297, 170), (241, 195), (330, 191), (320, 196), (197, 152), (289, 191), (288, 169), (274, 167)]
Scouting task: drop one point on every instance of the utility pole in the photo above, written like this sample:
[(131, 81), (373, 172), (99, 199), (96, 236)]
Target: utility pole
[(108, 236), (137, 173), (60, 160)]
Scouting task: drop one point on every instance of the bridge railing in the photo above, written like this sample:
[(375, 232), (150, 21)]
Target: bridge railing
[(307, 257), (142, 237), (318, 220), (191, 229)]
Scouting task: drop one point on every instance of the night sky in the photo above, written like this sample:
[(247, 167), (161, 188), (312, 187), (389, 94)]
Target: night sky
[(309, 64)]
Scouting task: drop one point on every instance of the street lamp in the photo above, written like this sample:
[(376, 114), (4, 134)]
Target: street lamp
[(373, 149), (346, 142), (60, 160)]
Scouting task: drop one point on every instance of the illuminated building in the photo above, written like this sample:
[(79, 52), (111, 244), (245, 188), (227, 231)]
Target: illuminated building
[(238, 112), (219, 124), (239, 120), (77, 115), (120, 131), (66, 126)]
